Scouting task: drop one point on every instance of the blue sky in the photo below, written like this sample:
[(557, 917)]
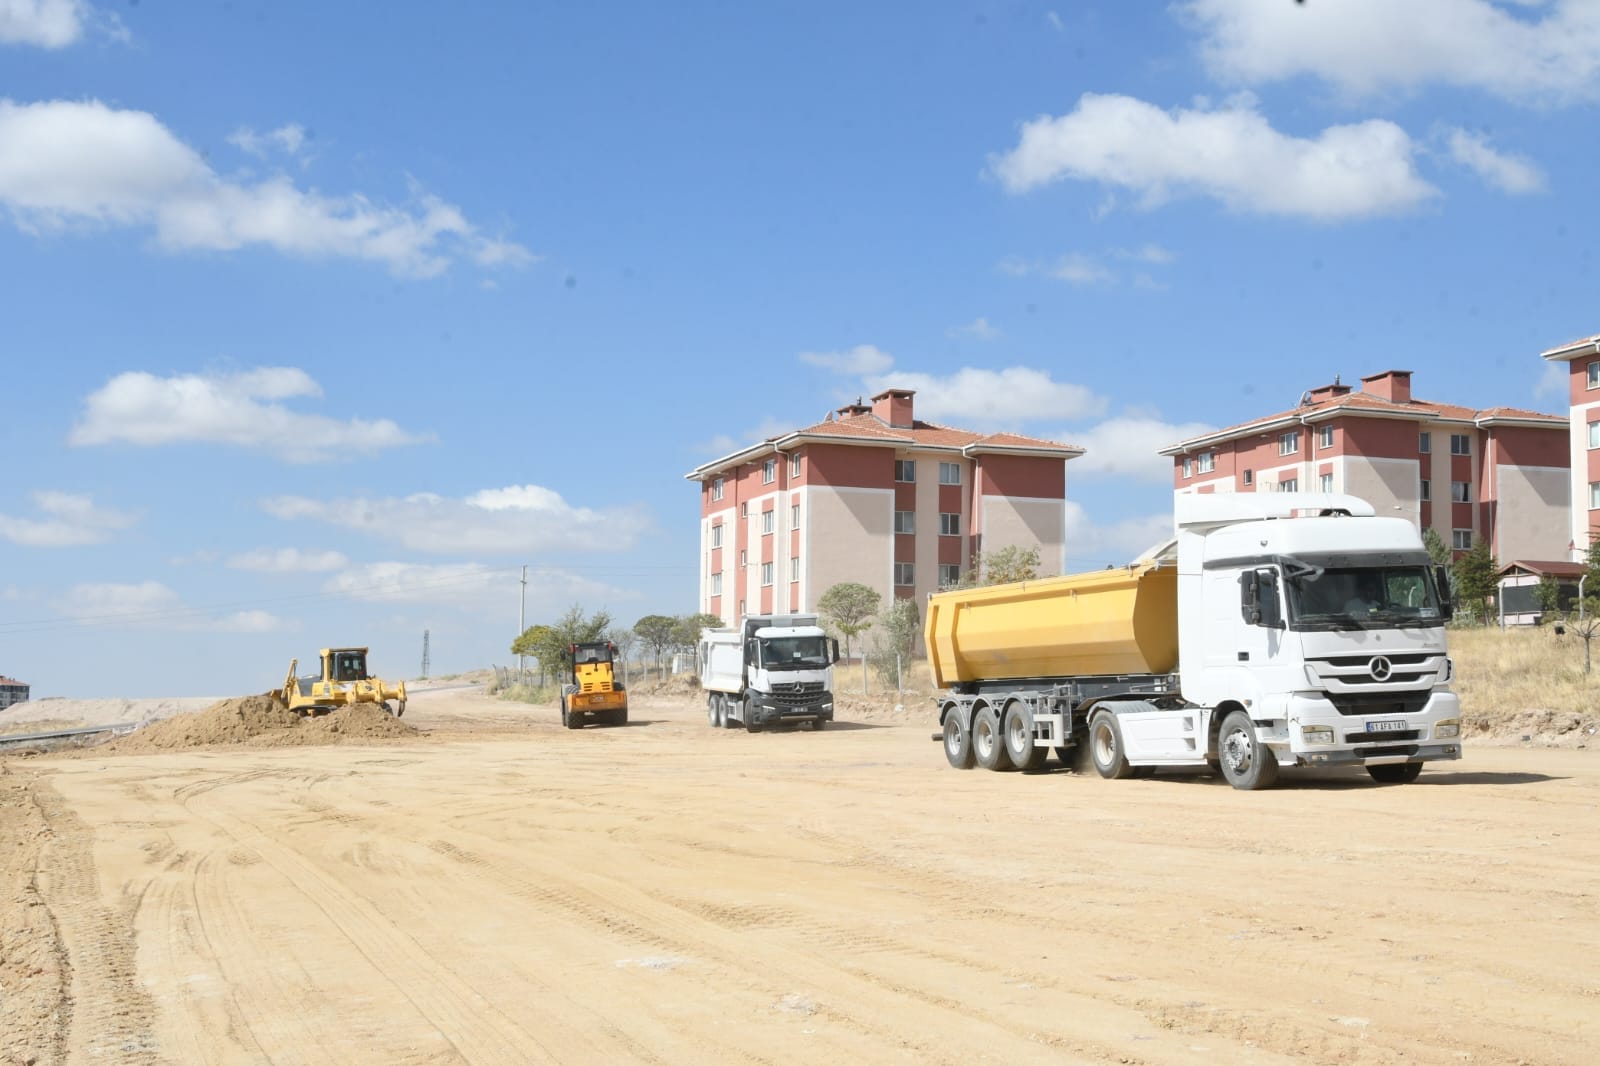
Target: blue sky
[(321, 321)]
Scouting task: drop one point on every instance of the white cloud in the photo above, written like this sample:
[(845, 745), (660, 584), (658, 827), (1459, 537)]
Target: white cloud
[(980, 328), (858, 361), (1055, 21), (1078, 269), (71, 520), (1006, 397), (1508, 173), (1126, 447), (288, 561), (520, 520), (247, 622), (45, 23), (289, 139), (152, 605), (81, 163), (470, 586), (1549, 55), (1091, 546), (240, 409), (1230, 153), (1147, 253)]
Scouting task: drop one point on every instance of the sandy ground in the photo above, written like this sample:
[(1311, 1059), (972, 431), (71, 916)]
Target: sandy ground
[(498, 889)]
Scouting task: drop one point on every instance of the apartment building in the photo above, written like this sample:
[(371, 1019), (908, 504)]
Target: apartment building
[(872, 495), (12, 691), (1467, 474), (1583, 438)]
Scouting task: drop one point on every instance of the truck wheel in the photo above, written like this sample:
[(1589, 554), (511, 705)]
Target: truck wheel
[(1018, 729), (573, 719), (619, 717), (988, 743), (957, 740), (1247, 763), (817, 724), (1105, 747), (711, 710), (1399, 773)]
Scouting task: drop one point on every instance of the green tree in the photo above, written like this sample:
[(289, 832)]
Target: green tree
[(1592, 559), (686, 630), (624, 639), (1434, 545), (655, 633), (551, 644), (1548, 595), (847, 606), (1587, 625), (540, 643), (999, 567), (1475, 579), (896, 640)]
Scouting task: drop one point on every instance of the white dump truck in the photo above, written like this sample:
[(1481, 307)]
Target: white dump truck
[(768, 670), (1277, 629)]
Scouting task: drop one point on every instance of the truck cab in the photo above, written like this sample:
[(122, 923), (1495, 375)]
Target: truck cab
[(767, 671)]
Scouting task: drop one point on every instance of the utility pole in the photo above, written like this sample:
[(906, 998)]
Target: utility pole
[(522, 622), (424, 655)]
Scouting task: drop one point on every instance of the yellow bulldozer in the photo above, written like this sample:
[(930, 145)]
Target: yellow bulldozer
[(343, 681), (594, 693)]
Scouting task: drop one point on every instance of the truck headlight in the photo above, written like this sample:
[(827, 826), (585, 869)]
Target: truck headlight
[(1316, 734), (1447, 727)]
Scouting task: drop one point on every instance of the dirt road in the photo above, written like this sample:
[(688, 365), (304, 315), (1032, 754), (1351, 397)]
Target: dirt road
[(502, 890)]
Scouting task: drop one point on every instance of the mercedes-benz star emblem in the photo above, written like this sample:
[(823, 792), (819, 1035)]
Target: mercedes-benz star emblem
[(1381, 668)]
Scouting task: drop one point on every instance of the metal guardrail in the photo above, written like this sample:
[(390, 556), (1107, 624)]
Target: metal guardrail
[(117, 728)]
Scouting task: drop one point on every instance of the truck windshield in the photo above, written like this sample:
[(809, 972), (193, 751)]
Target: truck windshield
[(1377, 597), (793, 653)]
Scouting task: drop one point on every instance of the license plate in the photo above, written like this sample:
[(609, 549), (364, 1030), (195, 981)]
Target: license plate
[(1394, 726)]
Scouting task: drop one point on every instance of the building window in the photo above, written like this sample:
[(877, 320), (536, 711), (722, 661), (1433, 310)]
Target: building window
[(949, 473), (1460, 492), (1425, 443), (716, 584), (716, 535), (904, 574), (766, 574), (767, 522), (1289, 443), (794, 568), (905, 521), (1208, 462), (1188, 467), (949, 574), (949, 524), (1249, 477), (744, 557), (794, 465), (905, 470), (1594, 495), (716, 488), (1325, 437), (1289, 484), (1460, 444), (1594, 375), (1326, 483), (1594, 434), (744, 510), (1427, 490), (741, 608), (1461, 539), (794, 516), (769, 471)]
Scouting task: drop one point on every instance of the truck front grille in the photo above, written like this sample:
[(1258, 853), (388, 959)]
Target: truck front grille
[(1379, 703), (797, 694)]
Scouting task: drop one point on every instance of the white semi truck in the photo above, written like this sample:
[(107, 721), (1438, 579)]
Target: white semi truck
[(768, 670), (1277, 629)]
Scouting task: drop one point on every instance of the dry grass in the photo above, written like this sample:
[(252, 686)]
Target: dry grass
[(1526, 683)]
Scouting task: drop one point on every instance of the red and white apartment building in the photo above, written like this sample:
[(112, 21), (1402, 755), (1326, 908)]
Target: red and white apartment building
[(1583, 441), (871, 495), (1467, 474)]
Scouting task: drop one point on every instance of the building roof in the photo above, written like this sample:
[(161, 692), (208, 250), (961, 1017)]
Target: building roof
[(1364, 404), (1573, 349), (1545, 568), (867, 429)]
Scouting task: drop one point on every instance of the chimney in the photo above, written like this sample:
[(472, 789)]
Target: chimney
[(892, 407), (1391, 385), (1328, 392), (857, 408)]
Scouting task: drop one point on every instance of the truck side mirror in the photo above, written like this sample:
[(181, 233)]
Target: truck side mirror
[(835, 642), (1249, 598), (1258, 599), (1441, 579), (752, 654)]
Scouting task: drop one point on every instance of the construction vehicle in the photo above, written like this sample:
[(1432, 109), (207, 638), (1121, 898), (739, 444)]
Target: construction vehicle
[(768, 670), (1236, 646), (594, 693), (343, 681)]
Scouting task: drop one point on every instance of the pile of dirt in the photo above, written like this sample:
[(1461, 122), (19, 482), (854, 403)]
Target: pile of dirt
[(263, 722), (1536, 726), (678, 686)]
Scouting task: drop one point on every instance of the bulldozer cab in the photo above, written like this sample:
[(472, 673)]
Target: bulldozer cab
[(344, 664), (591, 663)]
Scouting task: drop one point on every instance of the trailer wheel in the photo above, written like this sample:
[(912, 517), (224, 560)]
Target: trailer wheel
[(1247, 763), (1018, 726), (988, 741), (1105, 747), (1400, 773), (957, 740)]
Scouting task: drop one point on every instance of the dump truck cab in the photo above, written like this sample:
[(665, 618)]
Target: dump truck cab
[(593, 693)]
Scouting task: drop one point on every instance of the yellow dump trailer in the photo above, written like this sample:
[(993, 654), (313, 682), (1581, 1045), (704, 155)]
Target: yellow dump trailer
[(1106, 622)]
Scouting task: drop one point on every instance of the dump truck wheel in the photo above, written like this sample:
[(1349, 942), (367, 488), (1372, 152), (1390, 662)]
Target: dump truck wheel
[(711, 710), (1399, 773), (1018, 729), (1105, 747), (817, 724), (957, 740), (1247, 763), (988, 742)]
